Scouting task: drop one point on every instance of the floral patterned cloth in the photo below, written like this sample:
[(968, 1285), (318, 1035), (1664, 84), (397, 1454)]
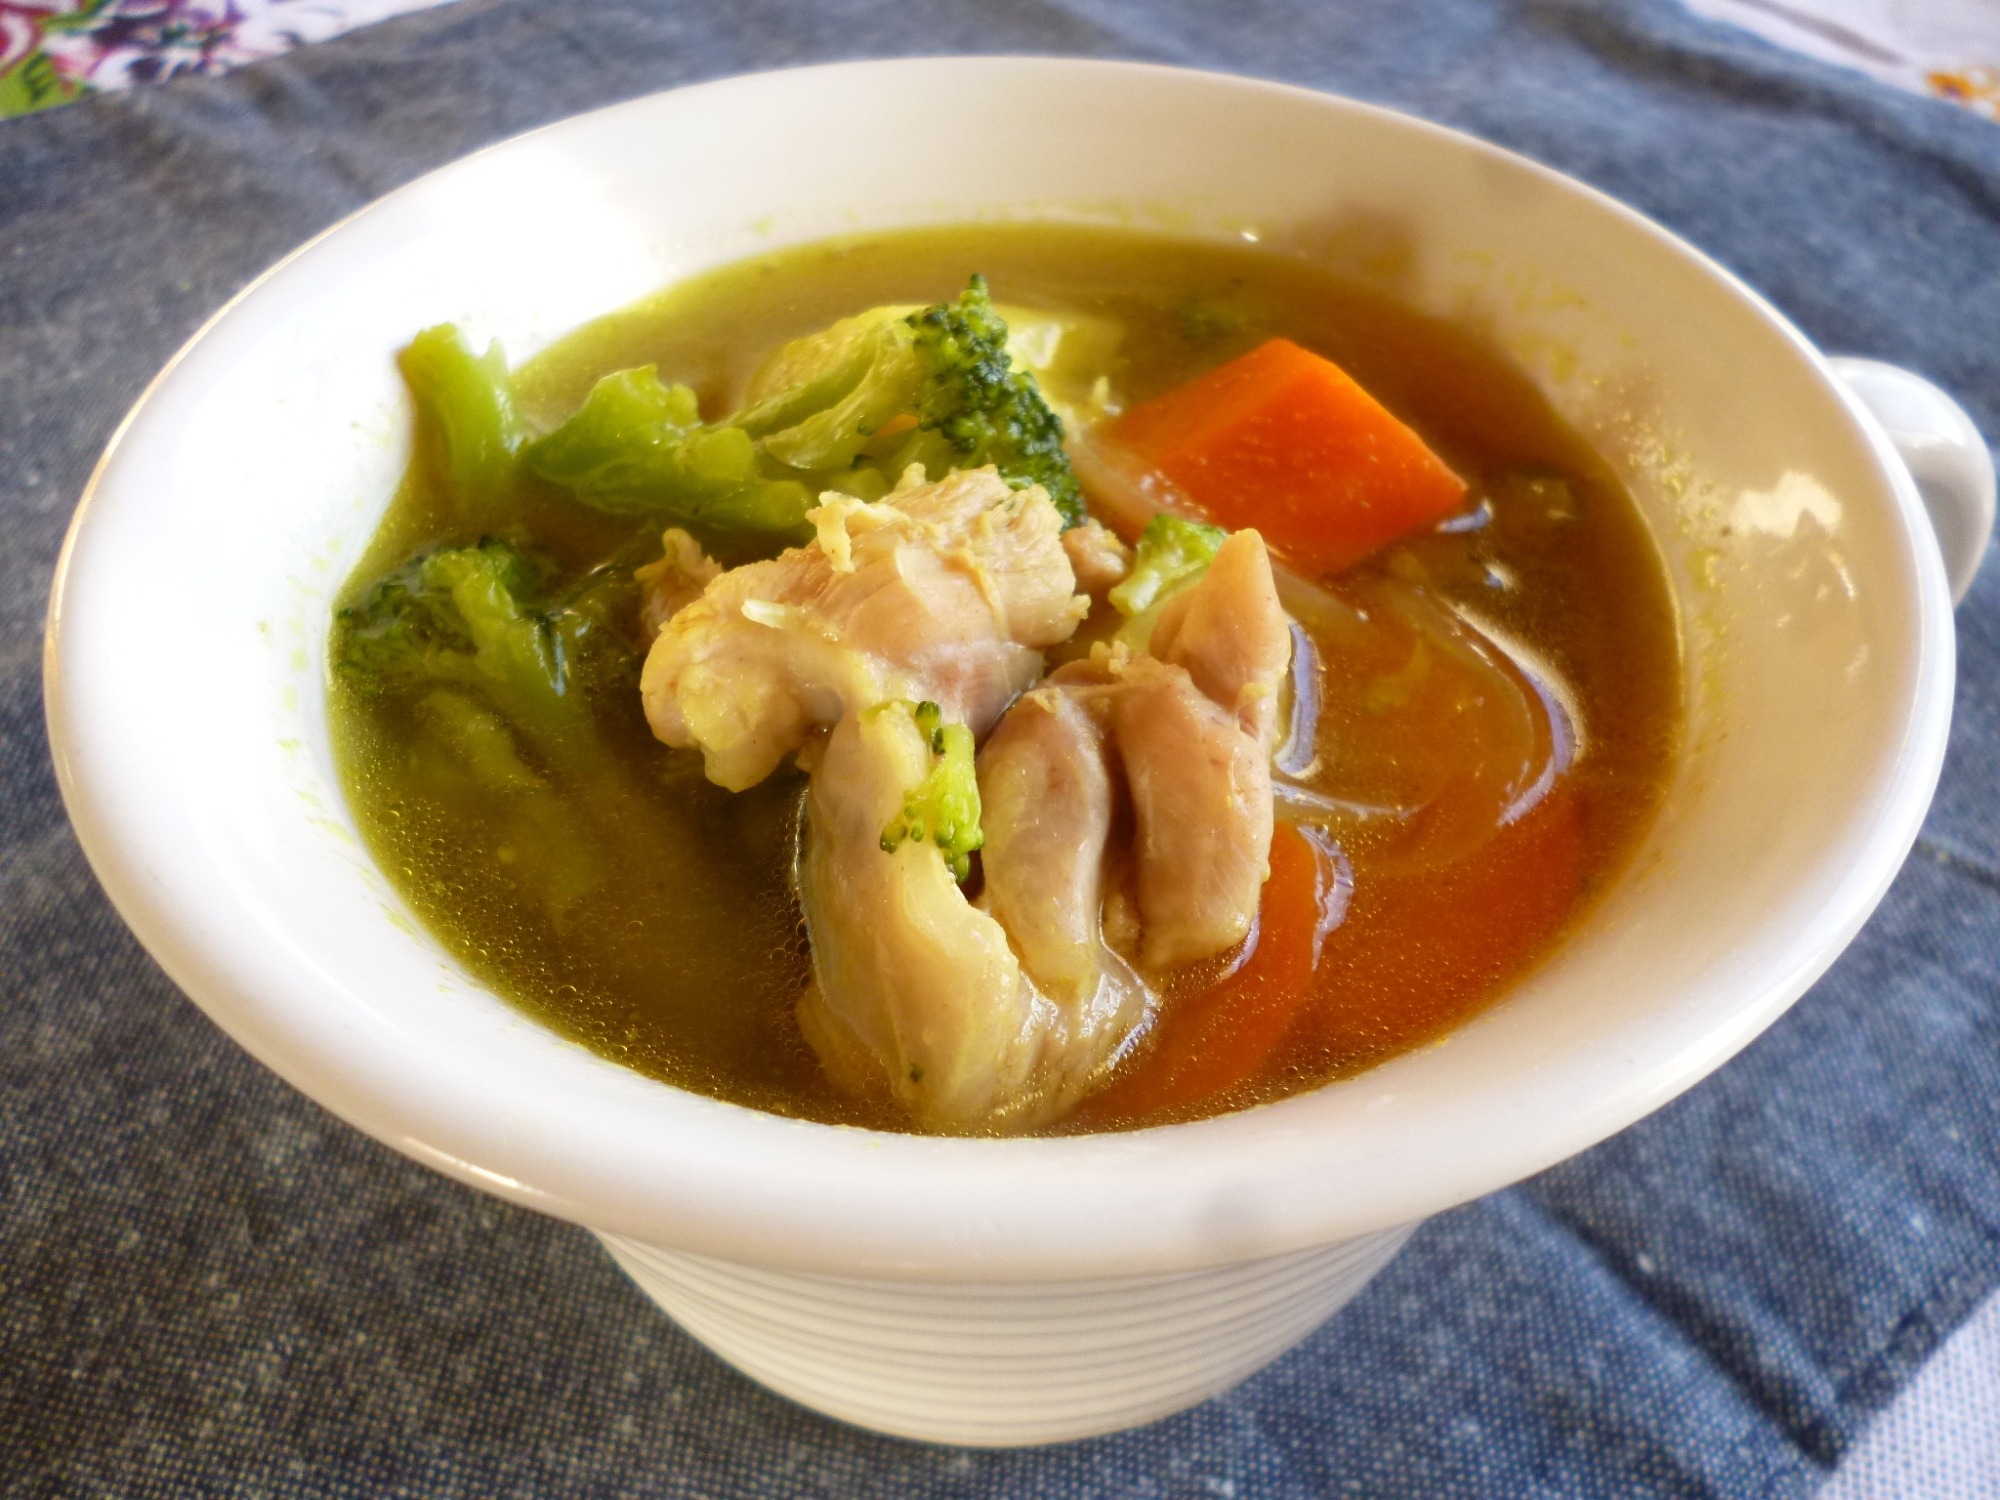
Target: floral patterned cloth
[(53, 51), (1948, 49)]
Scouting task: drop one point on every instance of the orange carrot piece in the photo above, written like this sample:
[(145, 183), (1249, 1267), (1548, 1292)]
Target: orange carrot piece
[(1215, 1040), (1285, 441), (1422, 944), (1419, 947)]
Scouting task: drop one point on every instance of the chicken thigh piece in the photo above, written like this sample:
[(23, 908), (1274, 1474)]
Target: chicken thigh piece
[(1180, 739), (944, 591), (1231, 635), (1048, 800), (914, 987), (1195, 724), (1046, 804)]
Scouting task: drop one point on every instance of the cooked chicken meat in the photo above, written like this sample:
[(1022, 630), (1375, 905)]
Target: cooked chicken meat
[(1126, 804), (943, 591), (913, 987), (675, 581), (1201, 814), (1047, 799), (1183, 735), (1097, 557), (917, 990), (1231, 634), (1126, 801), (1116, 784)]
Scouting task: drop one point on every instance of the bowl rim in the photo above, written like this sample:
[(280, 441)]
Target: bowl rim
[(827, 1198)]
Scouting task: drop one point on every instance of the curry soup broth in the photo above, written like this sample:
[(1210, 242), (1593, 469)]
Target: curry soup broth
[(648, 914)]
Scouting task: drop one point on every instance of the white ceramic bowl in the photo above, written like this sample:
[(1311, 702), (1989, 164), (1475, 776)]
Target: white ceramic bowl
[(971, 1290)]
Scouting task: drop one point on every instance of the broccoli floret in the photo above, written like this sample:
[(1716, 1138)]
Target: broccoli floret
[(848, 408), (1172, 555), (637, 446), (943, 808), (465, 413), (986, 410), (1172, 551), (862, 400), (460, 617), (501, 689)]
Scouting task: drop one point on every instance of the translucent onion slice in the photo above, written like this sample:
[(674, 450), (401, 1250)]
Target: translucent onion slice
[(1432, 714), (1413, 727), (1124, 491)]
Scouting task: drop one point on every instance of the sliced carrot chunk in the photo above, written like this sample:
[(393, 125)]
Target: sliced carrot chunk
[(1285, 441)]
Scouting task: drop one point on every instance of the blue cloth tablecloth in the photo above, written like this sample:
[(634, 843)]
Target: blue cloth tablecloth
[(208, 1286)]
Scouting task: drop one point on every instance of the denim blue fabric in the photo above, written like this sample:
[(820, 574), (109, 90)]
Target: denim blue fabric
[(208, 1286)]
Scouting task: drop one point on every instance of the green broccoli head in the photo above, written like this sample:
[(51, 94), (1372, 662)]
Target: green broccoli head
[(412, 625), (847, 408), (461, 617), (1172, 552), (943, 809), (1172, 555), (985, 409)]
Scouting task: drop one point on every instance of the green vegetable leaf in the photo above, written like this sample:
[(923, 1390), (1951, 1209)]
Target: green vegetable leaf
[(460, 617), (637, 447), (606, 449)]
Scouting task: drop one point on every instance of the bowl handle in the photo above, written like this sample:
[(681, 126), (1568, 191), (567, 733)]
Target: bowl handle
[(1944, 453)]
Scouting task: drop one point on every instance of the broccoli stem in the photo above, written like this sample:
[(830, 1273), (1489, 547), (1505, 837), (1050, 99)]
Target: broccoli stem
[(465, 411)]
